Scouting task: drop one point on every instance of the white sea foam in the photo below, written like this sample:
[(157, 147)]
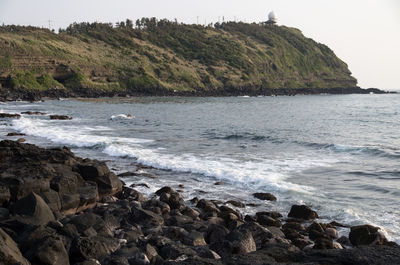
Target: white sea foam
[(254, 174), (122, 116), (73, 135)]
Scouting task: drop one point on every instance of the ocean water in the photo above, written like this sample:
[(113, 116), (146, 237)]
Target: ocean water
[(338, 154)]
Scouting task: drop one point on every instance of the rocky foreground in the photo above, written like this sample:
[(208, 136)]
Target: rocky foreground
[(57, 208)]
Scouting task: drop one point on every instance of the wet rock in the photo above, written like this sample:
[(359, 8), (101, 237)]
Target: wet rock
[(294, 225), (207, 206), (268, 221), (218, 183), (272, 214), (16, 134), (127, 174), (34, 210), (236, 203), (129, 193), (21, 140), (10, 115), (33, 113), (302, 212), (60, 117), (265, 196), (166, 189), (366, 235), (9, 251)]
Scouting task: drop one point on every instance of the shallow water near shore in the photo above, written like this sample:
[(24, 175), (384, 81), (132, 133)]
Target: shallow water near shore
[(337, 154)]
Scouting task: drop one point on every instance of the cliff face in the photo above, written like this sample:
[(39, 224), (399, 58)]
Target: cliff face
[(163, 57)]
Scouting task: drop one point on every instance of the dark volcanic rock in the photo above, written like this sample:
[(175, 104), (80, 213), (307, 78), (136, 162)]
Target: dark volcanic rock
[(34, 209), (9, 251), (60, 117), (10, 115), (145, 217), (98, 172), (15, 134), (268, 221), (265, 196), (302, 212), (366, 235), (33, 113)]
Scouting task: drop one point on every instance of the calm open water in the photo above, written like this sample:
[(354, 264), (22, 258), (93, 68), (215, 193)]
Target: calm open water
[(338, 154)]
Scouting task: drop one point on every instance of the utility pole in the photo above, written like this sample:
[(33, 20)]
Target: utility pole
[(50, 21), (197, 20)]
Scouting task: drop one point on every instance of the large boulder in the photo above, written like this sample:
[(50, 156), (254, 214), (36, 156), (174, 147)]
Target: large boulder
[(265, 196), (50, 251), (98, 172), (34, 209), (145, 217), (302, 212), (366, 235), (9, 251), (242, 242)]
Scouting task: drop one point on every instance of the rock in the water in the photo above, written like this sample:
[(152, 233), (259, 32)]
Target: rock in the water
[(366, 235), (302, 212), (10, 115), (15, 134), (265, 196), (9, 251), (236, 203), (34, 210), (166, 189), (33, 113), (60, 117)]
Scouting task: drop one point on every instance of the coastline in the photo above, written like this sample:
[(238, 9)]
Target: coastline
[(97, 217), (33, 95)]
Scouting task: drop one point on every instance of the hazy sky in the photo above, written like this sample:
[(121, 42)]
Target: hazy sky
[(363, 33)]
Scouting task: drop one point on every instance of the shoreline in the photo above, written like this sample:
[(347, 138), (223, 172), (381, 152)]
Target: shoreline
[(97, 217), (7, 94)]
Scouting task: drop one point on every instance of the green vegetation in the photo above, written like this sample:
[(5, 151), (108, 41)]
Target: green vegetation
[(152, 54)]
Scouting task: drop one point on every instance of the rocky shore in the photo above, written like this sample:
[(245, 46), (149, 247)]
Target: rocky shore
[(56, 208), (32, 95)]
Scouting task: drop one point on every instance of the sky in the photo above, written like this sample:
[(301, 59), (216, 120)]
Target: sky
[(363, 33)]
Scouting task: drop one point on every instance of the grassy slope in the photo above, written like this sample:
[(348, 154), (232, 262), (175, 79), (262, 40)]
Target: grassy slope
[(167, 55)]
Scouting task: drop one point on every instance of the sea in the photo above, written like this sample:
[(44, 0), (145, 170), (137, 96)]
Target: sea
[(338, 154)]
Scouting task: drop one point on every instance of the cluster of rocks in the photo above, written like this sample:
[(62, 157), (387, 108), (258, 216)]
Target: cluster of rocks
[(56, 208), (51, 117)]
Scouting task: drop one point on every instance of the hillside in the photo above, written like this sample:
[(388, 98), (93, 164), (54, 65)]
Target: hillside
[(157, 57)]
